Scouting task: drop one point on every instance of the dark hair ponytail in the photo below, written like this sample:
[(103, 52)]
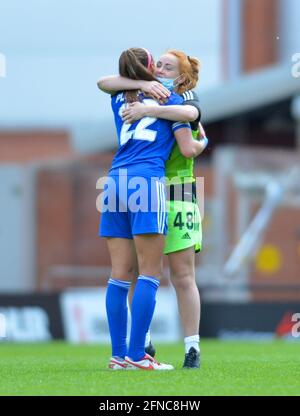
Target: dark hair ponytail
[(133, 64)]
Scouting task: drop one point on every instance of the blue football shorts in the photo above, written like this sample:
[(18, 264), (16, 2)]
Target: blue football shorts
[(132, 206)]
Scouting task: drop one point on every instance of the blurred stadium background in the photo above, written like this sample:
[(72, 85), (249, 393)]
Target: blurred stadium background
[(57, 138)]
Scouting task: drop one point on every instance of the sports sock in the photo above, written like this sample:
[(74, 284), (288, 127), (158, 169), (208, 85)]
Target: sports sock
[(142, 309), (192, 341), (117, 313), (147, 339)]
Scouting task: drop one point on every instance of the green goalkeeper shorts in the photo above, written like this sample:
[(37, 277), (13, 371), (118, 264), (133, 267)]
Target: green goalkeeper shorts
[(184, 226)]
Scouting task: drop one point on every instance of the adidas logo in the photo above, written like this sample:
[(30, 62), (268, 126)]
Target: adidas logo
[(186, 236)]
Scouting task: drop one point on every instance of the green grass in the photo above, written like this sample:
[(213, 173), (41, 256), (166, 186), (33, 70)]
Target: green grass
[(228, 368)]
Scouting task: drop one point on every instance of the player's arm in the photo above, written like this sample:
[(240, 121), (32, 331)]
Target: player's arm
[(114, 83), (189, 111), (188, 147), (191, 99), (136, 111), (201, 132)]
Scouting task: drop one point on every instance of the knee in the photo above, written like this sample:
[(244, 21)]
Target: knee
[(150, 268), (183, 281), (153, 271), (124, 272)]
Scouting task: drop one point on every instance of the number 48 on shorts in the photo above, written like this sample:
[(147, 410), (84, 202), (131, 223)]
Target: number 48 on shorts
[(188, 222), (184, 227)]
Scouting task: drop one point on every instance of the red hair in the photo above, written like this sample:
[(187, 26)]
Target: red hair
[(188, 66)]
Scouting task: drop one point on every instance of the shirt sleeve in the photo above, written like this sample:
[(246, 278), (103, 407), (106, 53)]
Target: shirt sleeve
[(180, 125), (191, 98), (176, 99)]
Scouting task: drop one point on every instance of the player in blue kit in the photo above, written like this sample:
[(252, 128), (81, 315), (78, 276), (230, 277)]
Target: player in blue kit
[(134, 218)]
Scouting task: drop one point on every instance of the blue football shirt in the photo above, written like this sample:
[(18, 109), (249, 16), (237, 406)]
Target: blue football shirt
[(145, 145)]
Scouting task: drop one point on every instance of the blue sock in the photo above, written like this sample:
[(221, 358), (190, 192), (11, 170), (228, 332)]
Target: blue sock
[(117, 313), (142, 309)]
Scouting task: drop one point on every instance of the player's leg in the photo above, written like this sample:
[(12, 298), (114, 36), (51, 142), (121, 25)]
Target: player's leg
[(182, 272), (149, 347), (123, 258), (148, 229), (115, 227), (123, 267), (184, 237), (149, 249)]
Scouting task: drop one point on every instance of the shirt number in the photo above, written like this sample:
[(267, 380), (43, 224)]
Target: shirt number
[(141, 132)]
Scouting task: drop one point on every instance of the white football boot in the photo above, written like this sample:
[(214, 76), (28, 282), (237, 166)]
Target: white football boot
[(147, 363), (117, 363)]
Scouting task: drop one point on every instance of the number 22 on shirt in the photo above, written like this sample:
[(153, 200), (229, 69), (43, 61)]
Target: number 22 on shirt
[(141, 132)]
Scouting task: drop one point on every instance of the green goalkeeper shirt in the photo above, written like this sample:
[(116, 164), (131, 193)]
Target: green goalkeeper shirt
[(180, 169)]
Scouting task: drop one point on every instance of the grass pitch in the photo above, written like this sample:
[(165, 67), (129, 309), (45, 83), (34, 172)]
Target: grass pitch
[(228, 368)]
